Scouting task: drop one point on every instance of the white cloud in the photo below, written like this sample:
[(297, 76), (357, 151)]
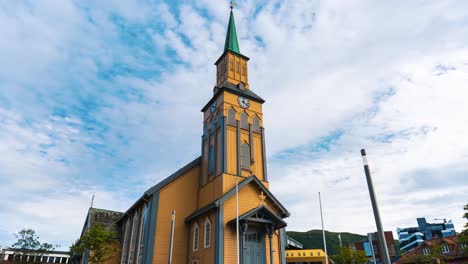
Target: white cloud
[(336, 77)]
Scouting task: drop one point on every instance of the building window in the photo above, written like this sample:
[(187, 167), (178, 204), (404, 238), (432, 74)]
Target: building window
[(207, 229), (195, 237), (211, 160), (311, 254), (244, 69), (244, 122), (231, 117), (195, 261), (426, 251), (231, 65), (144, 220), (125, 243), (133, 243), (463, 245), (256, 124), (238, 67), (446, 249), (245, 156)]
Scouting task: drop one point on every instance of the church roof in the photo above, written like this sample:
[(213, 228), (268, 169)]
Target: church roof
[(235, 90), (252, 179), (266, 216), (231, 42)]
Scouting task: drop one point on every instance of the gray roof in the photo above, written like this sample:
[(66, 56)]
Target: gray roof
[(235, 90)]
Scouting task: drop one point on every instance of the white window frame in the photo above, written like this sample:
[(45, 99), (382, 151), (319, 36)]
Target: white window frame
[(205, 245), (196, 238), (446, 249), (426, 251)]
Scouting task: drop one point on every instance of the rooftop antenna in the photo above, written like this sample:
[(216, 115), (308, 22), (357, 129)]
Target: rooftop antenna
[(233, 4), (92, 201)]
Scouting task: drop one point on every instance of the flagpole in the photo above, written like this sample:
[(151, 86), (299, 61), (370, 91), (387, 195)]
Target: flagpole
[(237, 220), (323, 231), (339, 237), (171, 242)]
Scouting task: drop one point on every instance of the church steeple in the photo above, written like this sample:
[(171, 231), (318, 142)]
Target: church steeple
[(231, 42), (232, 65)]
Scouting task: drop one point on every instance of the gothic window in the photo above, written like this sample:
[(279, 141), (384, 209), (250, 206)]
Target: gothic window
[(136, 221), (141, 244), (245, 156), (212, 125), (220, 119), (211, 160), (244, 122), (195, 237), (426, 251), (256, 124), (125, 243), (232, 117), (207, 236)]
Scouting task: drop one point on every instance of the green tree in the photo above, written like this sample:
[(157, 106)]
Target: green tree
[(348, 256), (99, 243), (29, 246), (463, 237)]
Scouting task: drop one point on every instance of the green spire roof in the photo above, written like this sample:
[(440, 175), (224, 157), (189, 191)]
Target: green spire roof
[(231, 37)]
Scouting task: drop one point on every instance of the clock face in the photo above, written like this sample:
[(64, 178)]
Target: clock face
[(243, 102), (213, 107)]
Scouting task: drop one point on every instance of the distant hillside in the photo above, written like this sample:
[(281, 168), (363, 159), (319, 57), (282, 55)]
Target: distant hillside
[(313, 239)]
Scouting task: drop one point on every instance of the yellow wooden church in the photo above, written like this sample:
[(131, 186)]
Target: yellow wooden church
[(203, 194)]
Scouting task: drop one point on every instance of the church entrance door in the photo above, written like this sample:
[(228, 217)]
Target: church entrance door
[(254, 247)]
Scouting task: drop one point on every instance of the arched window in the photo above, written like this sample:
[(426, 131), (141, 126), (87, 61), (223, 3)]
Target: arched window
[(245, 156), (231, 117), (133, 246), (207, 236), (211, 161), (244, 122), (256, 124), (195, 237), (212, 125)]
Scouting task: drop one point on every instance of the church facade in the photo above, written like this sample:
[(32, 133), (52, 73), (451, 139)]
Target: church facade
[(190, 216)]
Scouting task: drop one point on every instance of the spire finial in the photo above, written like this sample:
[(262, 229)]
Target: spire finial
[(233, 4)]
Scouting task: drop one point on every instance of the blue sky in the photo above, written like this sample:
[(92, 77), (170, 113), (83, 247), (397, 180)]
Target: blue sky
[(104, 97)]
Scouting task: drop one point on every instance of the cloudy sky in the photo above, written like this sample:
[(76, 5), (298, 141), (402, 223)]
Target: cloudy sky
[(104, 97)]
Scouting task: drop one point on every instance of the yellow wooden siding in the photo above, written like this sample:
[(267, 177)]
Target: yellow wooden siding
[(275, 244), (248, 199), (179, 195), (211, 191), (230, 100), (305, 255), (203, 255)]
